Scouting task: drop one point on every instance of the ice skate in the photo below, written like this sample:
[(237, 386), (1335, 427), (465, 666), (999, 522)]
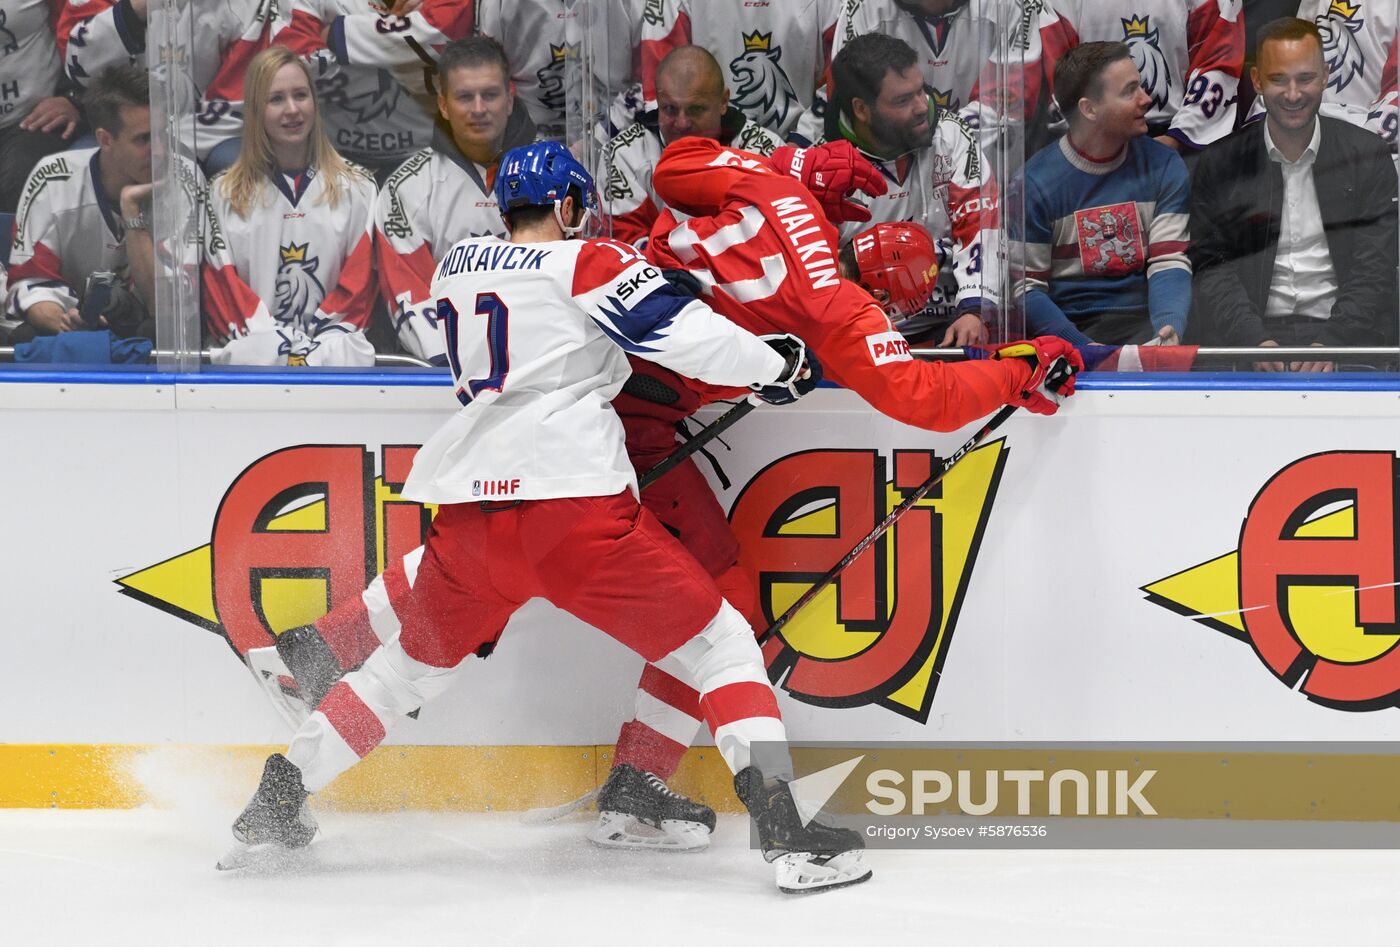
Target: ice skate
[(296, 673), (637, 810), (806, 858), (276, 820)]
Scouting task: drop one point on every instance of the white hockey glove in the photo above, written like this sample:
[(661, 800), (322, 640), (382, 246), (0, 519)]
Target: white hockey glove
[(800, 375)]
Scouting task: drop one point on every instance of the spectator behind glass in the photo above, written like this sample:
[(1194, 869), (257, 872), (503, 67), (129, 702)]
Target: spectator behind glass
[(692, 100), (934, 167), (203, 67), (288, 276), (87, 211), (1106, 207), (775, 54), (1294, 217), (35, 119), (1188, 53), (444, 193)]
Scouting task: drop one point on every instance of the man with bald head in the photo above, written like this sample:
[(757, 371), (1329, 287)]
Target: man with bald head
[(691, 100)]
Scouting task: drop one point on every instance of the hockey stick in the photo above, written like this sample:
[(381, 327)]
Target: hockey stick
[(674, 459), (549, 814), (1054, 382)]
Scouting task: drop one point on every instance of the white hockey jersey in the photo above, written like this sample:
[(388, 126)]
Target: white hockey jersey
[(29, 64), (538, 337), (374, 116), (293, 282), (775, 55), (949, 190), (1190, 54), (536, 39), (224, 35), (630, 204), (435, 199), (66, 229)]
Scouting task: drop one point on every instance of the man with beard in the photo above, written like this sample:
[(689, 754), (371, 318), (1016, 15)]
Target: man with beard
[(933, 167), (1294, 217), (1105, 229)]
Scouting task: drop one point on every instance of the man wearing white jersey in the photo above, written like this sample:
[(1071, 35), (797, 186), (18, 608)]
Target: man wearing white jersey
[(538, 330), (443, 194)]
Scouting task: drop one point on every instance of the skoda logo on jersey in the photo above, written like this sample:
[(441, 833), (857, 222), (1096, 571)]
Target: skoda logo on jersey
[(1344, 56), (1149, 59), (881, 635), (763, 91), (1311, 586), (299, 292)]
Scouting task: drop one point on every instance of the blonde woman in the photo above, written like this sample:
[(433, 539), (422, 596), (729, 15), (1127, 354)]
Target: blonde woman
[(288, 276)]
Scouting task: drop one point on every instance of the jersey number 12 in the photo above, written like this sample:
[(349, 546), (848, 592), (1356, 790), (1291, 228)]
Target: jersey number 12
[(497, 335)]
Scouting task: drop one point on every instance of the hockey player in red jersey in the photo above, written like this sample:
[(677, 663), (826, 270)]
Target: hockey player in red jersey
[(763, 249), (558, 516)]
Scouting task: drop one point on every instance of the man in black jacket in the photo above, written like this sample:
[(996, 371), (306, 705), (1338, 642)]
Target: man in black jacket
[(1293, 218)]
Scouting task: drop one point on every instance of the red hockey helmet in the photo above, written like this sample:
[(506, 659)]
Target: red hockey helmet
[(900, 259)]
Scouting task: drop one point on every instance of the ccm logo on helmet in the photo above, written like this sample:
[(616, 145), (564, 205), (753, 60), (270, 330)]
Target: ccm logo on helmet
[(888, 347)]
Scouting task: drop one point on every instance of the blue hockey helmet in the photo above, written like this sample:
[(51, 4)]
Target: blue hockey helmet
[(539, 175)]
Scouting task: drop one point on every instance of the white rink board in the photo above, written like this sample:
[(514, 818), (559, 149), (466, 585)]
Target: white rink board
[(1054, 639)]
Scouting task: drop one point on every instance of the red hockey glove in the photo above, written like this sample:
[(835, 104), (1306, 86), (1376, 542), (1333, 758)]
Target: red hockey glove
[(1054, 363), (833, 173)]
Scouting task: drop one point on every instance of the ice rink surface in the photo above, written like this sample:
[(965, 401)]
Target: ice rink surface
[(147, 877)]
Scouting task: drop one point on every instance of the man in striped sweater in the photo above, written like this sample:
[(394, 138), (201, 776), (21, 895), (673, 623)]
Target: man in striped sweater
[(1106, 212)]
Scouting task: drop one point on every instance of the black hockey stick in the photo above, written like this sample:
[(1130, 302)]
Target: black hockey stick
[(672, 460), (1054, 383)]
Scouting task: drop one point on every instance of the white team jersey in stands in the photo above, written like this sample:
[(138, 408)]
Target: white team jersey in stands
[(630, 203), (774, 54), (952, 49), (946, 188), (224, 35), (536, 38), (372, 115), (538, 337), (433, 200), (1190, 54), (29, 63), (1358, 45), (66, 228), (293, 282)]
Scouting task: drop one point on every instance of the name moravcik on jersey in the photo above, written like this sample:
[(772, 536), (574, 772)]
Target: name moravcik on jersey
[(224, 37), (948, 189), (433, 200), (294, 280), (775, 55), (30, 66), (1190, 54), (630, 204), (538, 336), (760, 244), (371, 113), (66, 228)]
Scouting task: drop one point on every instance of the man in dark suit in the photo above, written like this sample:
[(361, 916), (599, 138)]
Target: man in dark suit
[(1293, 218)]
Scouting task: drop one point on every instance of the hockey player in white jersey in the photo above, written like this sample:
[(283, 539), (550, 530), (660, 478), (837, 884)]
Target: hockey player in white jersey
[(692, 100), (289, 274), (775, 54), (538, 328), (443, 194), (216, 41), (932, 163)]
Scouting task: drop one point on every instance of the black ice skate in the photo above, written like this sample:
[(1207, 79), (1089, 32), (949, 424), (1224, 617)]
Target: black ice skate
[(638, 810), (277, 819), (807, 857), (296, 673)]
